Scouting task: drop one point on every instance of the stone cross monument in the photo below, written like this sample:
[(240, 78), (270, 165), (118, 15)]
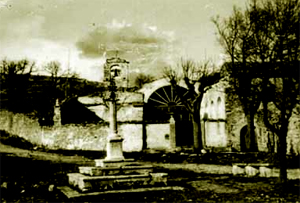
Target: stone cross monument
[(114, 151), (113, 72)]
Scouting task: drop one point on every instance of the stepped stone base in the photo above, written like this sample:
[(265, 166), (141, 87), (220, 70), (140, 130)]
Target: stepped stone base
[(113, 175), (101, 171), (113, 163), (99, 183), (71, 193)]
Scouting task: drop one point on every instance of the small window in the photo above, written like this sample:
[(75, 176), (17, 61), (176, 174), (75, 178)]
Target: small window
[(167, 136)]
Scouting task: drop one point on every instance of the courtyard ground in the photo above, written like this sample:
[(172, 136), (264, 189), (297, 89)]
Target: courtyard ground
[(32, 176)]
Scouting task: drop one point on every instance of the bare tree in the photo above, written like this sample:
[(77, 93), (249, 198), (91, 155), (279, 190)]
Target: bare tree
[(199, 78), (60, 80), (15, 78), (282, 85), (236, 37), (58, 88), (269, 54), (142, 79)]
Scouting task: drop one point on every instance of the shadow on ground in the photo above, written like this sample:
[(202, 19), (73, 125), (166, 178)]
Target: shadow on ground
[(31, 174), (30, 180)]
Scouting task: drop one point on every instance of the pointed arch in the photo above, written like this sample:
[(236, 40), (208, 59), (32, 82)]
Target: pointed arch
[(212, 110)]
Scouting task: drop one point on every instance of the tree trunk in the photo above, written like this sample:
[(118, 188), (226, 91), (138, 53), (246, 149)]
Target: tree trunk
[(10, 121), (271, 142), (11, 107), (197, 134), (282, 154), (252, 145)]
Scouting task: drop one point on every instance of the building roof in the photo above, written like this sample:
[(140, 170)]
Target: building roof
[(123, 97)]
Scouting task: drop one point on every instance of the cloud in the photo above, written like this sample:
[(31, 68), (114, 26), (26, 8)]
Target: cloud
[(4, 3), (25, 28), (133, 41), (146, 47)]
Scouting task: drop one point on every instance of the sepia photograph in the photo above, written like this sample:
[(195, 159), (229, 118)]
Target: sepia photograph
[(149, 101)]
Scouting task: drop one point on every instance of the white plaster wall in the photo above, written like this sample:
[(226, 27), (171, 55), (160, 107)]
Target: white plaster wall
[(130, 113), (217, 109), (156, 136), (215, 134), (133, 137), (125, 113), (101, 111), (222, 134)]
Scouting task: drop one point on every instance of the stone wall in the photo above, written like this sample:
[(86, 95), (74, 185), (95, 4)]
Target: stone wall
[(293, 138), (18, 124), (236, 120), (91, 137)]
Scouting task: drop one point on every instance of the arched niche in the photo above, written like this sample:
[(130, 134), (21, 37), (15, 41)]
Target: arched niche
[(212, 110), (220, 108), (245, 140)]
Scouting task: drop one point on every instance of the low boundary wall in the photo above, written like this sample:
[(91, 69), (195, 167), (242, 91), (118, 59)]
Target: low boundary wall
[(72, 137)]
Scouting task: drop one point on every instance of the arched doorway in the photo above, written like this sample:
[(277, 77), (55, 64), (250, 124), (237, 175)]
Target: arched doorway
[(245, 141), (165, 101)]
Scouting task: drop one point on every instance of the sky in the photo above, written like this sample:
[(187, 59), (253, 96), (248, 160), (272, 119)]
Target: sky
[(81, 34)]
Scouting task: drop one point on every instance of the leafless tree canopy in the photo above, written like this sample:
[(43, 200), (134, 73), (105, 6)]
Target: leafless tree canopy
[(142, 79), (13, 68), (60, 79), (199, 78), (262, 45)]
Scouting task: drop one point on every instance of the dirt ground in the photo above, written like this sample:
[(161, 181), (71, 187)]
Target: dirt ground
[(30, 176), (197, 168)]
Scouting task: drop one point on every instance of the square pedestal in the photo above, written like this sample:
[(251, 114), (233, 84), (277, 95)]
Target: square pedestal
[(114, 148)]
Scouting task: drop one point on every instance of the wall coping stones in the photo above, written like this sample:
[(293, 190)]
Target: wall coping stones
[(253, 169), (253, 164)]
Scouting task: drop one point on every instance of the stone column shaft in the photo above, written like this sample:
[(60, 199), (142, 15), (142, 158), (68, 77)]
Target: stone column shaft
[(113, 119), (114, 148), (172, 133)]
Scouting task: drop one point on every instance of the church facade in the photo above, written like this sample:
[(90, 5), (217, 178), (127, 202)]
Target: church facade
[(152, 117), (223, 123)]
